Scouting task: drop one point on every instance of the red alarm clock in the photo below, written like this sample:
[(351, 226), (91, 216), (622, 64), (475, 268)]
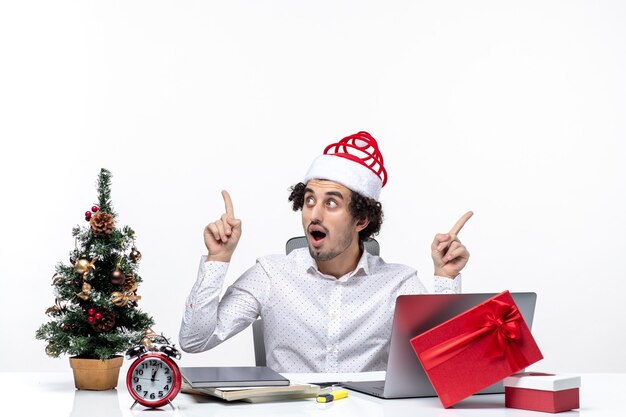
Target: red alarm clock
[(153, 379)]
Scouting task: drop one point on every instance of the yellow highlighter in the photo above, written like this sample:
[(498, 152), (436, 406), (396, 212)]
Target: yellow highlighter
[(332, 396)]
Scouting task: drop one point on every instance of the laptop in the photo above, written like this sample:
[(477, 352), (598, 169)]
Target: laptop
[(414, 314)]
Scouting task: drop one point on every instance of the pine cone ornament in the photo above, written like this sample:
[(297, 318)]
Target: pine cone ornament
[(105, 323), (130, 284), (102, 224)]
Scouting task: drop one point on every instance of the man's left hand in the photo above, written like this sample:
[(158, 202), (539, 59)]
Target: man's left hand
[(449, 255)]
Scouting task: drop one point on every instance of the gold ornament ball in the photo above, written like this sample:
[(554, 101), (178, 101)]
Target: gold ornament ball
[(135, 255), (82, 266), (49, 350)]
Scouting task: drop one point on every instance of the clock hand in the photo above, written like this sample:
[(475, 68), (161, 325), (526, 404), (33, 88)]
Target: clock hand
[(153, 375)]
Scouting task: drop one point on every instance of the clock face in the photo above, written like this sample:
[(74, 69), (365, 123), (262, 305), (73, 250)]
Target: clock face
[(153, 380)]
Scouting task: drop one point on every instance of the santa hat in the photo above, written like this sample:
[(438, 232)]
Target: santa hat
[(355, 162)]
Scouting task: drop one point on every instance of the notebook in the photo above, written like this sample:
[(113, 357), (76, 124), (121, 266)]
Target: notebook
[(232, 376), (414, 314)]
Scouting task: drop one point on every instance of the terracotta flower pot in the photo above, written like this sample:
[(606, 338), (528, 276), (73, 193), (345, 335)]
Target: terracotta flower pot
[(96, 374)]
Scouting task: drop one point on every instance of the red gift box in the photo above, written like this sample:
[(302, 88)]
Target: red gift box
[(476, 349), (542, 392)]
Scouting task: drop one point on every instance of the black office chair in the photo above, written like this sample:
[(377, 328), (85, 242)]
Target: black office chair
[(298, 242)]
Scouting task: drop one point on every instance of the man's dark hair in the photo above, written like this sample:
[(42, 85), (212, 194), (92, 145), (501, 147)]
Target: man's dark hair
[(360, 207)]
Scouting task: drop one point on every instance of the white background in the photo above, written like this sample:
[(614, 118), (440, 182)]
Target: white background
[(514, 110)]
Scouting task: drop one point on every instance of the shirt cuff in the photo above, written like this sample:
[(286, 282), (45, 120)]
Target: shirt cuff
[(445, 285), (212, 267), (211, 275)]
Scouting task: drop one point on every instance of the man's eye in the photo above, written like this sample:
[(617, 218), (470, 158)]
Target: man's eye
[(331, 203), (308, 200)]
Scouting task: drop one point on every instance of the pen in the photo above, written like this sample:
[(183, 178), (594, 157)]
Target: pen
[(332, 396)]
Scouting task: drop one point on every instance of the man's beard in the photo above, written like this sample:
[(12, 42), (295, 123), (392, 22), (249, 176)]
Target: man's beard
[(318, 255)]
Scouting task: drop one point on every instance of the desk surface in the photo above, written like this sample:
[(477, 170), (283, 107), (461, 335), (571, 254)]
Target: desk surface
[(53, 394)]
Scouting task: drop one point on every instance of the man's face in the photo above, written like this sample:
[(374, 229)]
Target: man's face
[(327, 222)]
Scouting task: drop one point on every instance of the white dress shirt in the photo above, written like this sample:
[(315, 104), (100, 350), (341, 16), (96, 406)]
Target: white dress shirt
[(312, 322)]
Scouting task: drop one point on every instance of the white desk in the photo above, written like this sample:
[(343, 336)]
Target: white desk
[(53, 394)]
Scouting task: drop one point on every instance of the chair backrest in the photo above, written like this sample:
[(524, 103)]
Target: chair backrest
[(371, 246), (259, 342)]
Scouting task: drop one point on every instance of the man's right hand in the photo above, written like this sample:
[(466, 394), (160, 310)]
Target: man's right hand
[(221, 236)]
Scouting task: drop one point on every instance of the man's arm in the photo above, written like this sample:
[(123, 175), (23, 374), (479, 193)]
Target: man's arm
[(200, 329), (442, 285), (208, 321)]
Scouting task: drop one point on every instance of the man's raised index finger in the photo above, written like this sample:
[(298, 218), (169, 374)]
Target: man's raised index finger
[(228, 203), (459, 224)]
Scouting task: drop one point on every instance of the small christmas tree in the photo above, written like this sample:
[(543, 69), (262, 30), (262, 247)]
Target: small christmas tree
[(95, 314)]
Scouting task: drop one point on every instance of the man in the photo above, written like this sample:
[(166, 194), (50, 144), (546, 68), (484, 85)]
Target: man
[(328, 307)]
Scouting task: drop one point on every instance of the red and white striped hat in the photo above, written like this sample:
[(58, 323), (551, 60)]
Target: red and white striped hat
[(354, 162)]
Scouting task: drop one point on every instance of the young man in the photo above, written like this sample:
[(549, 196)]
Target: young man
[(328, 307)]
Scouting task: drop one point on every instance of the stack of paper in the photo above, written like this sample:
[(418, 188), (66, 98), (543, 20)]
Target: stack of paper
[(257, 394), (252, 384)]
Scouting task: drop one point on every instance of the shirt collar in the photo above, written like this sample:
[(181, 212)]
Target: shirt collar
[(362, 268)]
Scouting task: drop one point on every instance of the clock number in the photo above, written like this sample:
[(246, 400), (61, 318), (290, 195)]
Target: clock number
[(139, 371), (138, 388), (152, 396), (166, 388), (167, 371), (135, 379), (155, 363), (169, 379), (145, 393), (160, 394)]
